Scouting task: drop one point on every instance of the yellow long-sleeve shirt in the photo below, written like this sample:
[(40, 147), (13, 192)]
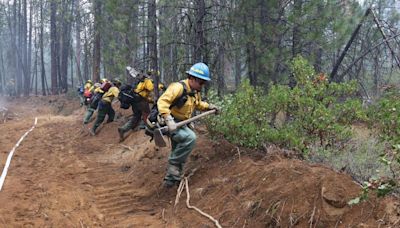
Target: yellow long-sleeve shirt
[(110, 94), (98, 90), (173, 92), (146, 88)]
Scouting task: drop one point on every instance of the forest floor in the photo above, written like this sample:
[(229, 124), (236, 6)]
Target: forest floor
[(60, 176)]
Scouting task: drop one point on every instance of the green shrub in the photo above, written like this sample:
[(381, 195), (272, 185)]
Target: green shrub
[(384, 116), (243, 120), (314, 111)]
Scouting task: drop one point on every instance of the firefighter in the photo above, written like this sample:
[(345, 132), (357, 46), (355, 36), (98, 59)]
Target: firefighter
[(97, 95), (87, 94), (142, 94), (183, 138), (104, 107)]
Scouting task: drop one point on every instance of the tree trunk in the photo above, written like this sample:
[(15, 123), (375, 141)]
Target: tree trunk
[(53, 43), (29, 55), (43, 70), (199, 36), (78, 42), (220, 70), (174, 53), (97, 40), (317, 45), (86, 64), (2, 77), (333, 75), (251, 50), (238, 69), (71, 59), (26, 48), (153, 54), (65, 43), (296, 46), (376, 72), (16, 42), (35, 69)]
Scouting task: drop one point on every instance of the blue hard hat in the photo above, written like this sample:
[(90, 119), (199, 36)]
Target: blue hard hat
[(200, 70)]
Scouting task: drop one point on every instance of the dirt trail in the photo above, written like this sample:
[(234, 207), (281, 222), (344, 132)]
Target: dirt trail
[(61, 176)]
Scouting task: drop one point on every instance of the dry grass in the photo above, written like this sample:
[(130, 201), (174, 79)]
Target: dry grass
[(359, 157)]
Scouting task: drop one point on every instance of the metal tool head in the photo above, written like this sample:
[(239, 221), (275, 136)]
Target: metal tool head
[(132, 71), (159, 138)]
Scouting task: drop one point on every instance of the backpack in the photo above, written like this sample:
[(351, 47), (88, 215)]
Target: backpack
[(127, 96), (179, 102), (95, 100), (80, 90), (136, 82), (105, 86), (87, 93)]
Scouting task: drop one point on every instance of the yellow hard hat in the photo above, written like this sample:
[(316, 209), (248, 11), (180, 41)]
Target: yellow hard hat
[(89, 81), (153, 72), (103, 80)]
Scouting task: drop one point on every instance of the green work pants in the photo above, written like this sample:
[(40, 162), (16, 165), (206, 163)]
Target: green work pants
[(88, 114), (105, 108), (81, 99), (140, 109), (183, 141)]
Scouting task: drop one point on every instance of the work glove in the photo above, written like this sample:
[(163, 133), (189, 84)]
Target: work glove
[(214, 107), (169, 121)]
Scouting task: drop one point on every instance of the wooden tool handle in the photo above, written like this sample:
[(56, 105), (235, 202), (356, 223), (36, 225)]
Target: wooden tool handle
[(184, 122)]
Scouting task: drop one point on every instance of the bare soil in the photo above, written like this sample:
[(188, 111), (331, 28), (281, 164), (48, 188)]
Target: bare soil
[(60, 176)]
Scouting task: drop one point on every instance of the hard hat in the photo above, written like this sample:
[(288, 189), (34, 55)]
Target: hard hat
[(200, 70), (103, 80), (153, 72), (89, 81), (116, 81)]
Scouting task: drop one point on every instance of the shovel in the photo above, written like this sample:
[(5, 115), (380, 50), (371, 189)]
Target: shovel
[(159, 132)]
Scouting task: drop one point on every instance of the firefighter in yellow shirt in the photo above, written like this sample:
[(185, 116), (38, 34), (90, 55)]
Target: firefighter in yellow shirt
[(88, 85), (104, 107), (182, 139), (87, 93), (94, 101), (140, 106)]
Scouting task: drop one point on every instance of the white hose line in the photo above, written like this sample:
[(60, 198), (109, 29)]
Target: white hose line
[(4, 173)]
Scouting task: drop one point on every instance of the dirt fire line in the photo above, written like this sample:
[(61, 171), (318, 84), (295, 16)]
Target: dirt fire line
[(5, 170)]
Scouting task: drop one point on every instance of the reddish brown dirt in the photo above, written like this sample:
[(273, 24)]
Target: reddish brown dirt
[(62, 177)]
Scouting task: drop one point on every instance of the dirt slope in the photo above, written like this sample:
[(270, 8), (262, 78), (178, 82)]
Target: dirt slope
[(61, 176)]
